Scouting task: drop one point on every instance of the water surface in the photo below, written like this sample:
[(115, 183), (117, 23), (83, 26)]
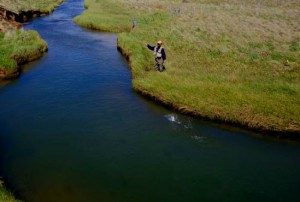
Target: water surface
[(72, 130)]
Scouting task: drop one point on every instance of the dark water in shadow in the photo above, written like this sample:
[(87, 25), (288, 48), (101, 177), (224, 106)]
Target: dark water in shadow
[(72, 130)]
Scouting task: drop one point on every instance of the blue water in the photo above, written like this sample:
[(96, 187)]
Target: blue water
[(72, 130)]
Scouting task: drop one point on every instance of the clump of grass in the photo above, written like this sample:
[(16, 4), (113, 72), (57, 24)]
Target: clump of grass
[(227, 60), (6, 196), (18, 47)]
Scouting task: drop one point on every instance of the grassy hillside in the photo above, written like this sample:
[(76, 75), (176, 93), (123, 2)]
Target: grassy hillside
[(226, 60)]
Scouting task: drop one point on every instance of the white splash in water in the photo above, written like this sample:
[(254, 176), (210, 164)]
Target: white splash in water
[(173, 118)]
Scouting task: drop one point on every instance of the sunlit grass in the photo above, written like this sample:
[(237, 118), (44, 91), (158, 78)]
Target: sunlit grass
[(226, 60), (45, 6), (18, 47)]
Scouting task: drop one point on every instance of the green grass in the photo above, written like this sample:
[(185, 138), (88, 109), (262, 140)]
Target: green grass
[(6, 196), (225, 61), (44, 6), (18, 47)]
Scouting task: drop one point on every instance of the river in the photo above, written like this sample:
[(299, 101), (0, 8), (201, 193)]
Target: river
[(73, 130)]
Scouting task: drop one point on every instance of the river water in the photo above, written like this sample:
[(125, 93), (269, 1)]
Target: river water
[(72, 130)]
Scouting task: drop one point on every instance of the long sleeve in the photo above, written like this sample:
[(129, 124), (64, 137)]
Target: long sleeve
[(150, 47)]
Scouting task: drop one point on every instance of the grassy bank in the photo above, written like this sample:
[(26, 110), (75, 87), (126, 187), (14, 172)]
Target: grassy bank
[(18, 47), (43, 6), (228, 61)]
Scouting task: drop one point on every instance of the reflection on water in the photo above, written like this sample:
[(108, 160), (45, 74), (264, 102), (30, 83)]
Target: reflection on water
[(71, 129)]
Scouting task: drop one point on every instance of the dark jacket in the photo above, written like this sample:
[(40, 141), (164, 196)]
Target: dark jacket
[(163, 53)]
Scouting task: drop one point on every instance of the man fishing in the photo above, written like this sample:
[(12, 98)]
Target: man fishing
[(159, 54)]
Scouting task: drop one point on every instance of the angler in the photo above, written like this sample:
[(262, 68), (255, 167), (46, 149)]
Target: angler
[(159, 54)]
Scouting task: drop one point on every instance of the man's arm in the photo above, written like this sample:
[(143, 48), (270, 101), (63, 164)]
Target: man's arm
[(149, 46)]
